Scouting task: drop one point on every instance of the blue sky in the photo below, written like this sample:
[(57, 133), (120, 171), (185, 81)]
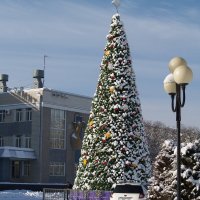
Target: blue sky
[(73, 35)]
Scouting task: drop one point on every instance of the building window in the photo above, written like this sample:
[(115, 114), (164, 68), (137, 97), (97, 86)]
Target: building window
[(18, 141), (1, 141), (28, 114), (27, 142), (2, 115), (16, 169), (57, 169), (26, 168), (19, 115), (57, 119), (57, 139), (57, 130)]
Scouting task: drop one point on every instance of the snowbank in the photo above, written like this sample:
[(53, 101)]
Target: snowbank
[(20, 195)]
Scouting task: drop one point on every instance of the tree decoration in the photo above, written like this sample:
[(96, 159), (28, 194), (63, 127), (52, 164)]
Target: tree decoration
[(103, 140), (112, 89), (108, 135), (84, 162), (107, 53), (115, 135), (91, 122)]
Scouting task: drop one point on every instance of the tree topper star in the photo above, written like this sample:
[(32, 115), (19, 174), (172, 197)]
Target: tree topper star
[(116, 3)]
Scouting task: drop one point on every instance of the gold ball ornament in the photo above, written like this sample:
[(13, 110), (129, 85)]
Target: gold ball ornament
[(84, 162), (107, 53), (112, 89), (108, 135), (91, 123)]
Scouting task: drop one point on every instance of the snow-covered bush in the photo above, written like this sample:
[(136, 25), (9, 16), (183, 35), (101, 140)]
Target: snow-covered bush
[(163, 184)]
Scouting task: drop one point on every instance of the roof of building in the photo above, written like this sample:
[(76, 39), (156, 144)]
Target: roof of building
[(19, 98), (7, 98)]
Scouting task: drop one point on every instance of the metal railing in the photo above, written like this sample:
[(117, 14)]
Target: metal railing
[(67, 194)]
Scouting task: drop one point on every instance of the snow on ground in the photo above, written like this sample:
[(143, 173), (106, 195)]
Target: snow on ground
[(20, 195)]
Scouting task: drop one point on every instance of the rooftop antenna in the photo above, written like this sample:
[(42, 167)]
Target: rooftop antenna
[(116, 3), (45, 56)]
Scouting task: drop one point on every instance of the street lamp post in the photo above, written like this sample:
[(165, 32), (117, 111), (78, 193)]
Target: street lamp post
[(174, 85)]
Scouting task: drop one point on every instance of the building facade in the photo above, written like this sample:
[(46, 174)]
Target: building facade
[(41, 132)]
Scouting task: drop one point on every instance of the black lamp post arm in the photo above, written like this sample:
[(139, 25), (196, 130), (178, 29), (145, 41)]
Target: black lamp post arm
[(183, 91), (180, 97), (172, 102)]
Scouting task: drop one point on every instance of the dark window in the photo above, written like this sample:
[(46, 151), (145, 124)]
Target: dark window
[(26, 168), (28, 114), (19, 115), (18, 141), (57, 169), (128, 188), (2, 115), (15, 169), (27, 142)]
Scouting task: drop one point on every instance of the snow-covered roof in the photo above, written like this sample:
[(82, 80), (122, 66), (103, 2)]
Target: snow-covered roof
[(16, 152)]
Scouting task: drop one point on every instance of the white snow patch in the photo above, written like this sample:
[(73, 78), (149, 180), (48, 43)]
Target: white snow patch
[(20, 195)]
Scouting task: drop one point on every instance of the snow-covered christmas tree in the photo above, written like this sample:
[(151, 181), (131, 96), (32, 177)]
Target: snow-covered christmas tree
[(163, 183), (114, 147)]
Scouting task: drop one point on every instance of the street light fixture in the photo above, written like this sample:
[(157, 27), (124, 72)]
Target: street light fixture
[(174, 85)]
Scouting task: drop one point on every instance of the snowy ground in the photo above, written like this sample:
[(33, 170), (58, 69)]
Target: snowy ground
[(20, 195)]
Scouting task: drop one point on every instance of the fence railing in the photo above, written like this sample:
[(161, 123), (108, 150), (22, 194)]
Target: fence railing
[(68, 194)]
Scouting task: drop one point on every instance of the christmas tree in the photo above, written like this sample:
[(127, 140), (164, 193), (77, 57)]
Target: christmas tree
[(164, 184), (114, 145)]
